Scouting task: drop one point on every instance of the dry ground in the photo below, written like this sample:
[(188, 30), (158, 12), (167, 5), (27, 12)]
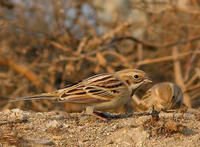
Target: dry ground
[(23, 128)]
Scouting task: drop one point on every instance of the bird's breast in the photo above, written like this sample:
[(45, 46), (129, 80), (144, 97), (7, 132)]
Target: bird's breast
[(114, 103)]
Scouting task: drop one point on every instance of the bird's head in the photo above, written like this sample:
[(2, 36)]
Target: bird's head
[(133, 78)]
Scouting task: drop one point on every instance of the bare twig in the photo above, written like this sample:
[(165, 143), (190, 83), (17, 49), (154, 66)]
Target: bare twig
[(166, 45), (194, 77), (188, 65), (194, 87), (179, 77), (23, 70), (163, 59)]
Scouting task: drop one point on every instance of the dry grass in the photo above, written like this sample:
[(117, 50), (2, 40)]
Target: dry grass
[(46, 45)]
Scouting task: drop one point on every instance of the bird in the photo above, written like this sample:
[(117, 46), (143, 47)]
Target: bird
[(98, 93), (162, 96)]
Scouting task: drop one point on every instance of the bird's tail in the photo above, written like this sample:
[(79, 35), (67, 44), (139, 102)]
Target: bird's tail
[(50, 96)]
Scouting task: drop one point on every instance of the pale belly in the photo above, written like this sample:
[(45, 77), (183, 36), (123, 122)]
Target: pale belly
[(112, 104)]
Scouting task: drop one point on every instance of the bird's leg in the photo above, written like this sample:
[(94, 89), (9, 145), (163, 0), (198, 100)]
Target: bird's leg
[(99, 115), (90, 111)]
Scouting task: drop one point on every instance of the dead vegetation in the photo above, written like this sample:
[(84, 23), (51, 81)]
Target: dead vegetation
[(46, 45), (163, 126)]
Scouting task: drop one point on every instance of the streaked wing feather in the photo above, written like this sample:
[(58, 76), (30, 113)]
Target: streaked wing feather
[(95, 89), (99, 93)]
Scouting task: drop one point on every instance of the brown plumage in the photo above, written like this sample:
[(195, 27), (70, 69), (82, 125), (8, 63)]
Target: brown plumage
[(100, 92), (163, 96)]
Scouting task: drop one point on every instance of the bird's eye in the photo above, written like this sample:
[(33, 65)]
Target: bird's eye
[(136, 76)]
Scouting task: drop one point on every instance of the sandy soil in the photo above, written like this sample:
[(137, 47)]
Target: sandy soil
[(23, 128)]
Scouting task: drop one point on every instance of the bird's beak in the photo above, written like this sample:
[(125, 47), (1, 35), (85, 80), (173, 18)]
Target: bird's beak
[(147, 80)]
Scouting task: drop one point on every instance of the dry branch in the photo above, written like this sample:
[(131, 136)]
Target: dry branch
[(179, 77), (65, 41), (23, 70), (166, 45), (164, 59), (192, 79)]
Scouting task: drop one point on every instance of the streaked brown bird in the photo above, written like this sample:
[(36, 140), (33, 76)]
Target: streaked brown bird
[(163, 96), (100, 92)]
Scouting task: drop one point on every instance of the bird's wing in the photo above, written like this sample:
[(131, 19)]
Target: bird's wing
[(99, 88)]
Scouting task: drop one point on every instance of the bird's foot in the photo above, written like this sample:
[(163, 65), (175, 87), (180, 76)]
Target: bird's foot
[(100, 116)]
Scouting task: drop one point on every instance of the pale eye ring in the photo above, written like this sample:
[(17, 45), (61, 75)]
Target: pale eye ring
[(136, 76)]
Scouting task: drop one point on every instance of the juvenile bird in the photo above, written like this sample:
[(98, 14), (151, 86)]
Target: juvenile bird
[(163, 96), (100, 92)]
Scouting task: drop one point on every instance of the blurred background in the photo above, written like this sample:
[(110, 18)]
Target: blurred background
[(46, 45)]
